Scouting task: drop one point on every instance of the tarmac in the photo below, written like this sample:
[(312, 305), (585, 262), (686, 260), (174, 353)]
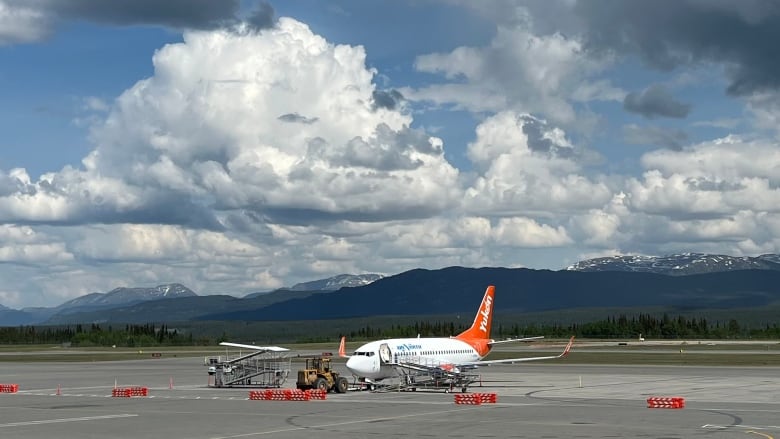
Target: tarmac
[(540, 400)]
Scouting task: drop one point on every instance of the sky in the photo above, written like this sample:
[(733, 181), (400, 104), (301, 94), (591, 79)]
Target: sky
[(237, 146)]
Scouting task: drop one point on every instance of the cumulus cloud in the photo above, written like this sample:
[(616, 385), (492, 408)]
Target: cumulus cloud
[(527, 167), (517, 71), (655, 101), (709, 180), (251, 160), (198, 152), (184, 132), (23, 245), (524, 232)]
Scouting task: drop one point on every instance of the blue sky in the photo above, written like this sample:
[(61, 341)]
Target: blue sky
[(241, 146)]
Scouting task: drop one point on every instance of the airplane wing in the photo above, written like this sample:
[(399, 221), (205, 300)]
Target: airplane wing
[(513, 340), (520, 360), (253, 347)]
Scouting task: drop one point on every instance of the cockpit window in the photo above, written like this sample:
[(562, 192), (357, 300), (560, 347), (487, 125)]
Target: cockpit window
[(364, 354)]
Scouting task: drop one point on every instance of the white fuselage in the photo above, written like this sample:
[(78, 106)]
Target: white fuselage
[(376, 360)]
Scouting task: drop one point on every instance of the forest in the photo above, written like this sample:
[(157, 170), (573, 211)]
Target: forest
[(613, 327)]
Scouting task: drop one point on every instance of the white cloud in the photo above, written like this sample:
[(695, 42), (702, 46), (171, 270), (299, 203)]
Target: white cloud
[(23, 245), (249, 161), (193, 172), (596, 228), (528, 168), (524, 232), (518, 71), (213, 107), (204, 130), (21, 24), (720, 196)]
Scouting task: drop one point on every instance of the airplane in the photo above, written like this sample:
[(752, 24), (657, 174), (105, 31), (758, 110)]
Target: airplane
[(378, 360)]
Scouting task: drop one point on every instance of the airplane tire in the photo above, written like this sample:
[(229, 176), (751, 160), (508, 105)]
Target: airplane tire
[(321, 384), (342, 385)]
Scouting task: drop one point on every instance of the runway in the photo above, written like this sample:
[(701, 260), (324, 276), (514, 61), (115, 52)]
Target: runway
[(550, 400)]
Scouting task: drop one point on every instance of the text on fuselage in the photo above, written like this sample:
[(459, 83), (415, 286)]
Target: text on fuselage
[(408, 347)]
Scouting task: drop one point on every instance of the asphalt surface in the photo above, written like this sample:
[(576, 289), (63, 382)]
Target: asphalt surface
[(540, 400)]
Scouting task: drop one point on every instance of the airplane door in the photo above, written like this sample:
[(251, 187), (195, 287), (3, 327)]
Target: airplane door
[(384, 353)]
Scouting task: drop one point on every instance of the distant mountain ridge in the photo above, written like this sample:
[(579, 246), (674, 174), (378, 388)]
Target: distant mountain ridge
[(117, 297), (139, 303), (458, 290), (687, 281), (330, 284), (679, 264), (127, 296), (337, 282)]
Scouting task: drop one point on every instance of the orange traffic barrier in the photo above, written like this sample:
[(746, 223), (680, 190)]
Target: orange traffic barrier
[(120, 392), (661, 402), (317, 393), (127, 392), (488, 398), (286, 395), (9, 388), (476, 398)]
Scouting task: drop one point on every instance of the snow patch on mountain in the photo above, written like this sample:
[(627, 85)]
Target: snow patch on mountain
[(123, 296), (679, 264)]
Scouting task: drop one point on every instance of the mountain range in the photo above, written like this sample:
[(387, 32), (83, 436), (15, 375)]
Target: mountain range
[(679, 264), (686, 281), (133, 305)]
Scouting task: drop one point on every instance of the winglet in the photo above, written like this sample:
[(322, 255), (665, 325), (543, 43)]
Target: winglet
[(342, 348), (568, 347)]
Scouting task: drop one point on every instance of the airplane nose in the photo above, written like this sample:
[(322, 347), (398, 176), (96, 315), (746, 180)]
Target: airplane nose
[(352, 364)]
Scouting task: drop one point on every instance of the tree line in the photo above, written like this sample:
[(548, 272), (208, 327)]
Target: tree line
[(96, 335), (613, 327)]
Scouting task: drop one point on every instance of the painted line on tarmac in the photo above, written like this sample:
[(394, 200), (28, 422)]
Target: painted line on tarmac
[(741, 427), (338, 424), (83, 395), (57, 421)]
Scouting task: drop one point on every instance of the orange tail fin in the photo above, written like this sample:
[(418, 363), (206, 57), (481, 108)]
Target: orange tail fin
[(480, 329), (342, 348)]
